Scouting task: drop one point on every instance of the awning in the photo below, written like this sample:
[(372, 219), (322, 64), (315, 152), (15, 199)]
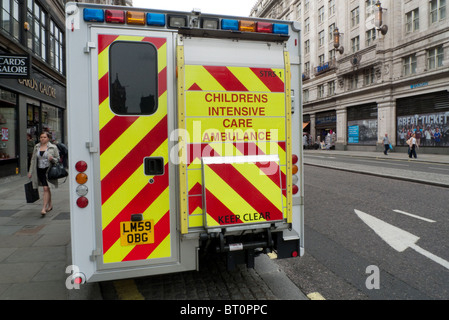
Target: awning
[(305, 124)]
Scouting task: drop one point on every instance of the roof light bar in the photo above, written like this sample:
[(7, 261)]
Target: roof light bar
[(228, 24), (264, 27), (115, 16), (210, 23), (156, 19), (134, 17), (280, 28), (248, 26), (177, 21), (93, 15)]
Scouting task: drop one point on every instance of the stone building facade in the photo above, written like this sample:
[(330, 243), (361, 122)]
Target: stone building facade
[(389, 76)]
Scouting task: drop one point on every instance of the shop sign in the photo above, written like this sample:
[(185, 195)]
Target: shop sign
[(15, 66), (39, 86)]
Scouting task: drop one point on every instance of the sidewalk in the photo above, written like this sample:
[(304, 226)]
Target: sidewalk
[(35, 251)]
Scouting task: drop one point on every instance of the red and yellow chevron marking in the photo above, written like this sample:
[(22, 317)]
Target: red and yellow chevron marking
[(233, 111), (124, 142), (248, 192)]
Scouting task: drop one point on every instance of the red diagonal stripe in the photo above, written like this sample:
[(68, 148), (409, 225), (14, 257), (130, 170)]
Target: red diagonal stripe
[(104, 41), (158, 42), (103, 88), (114, 129), (226, 78), (273, 82), (216, 209), (250, 148), (246, 190), (199, 150), (134, 159), (195, 202), (138, 204), (162, 82), (161, 230)]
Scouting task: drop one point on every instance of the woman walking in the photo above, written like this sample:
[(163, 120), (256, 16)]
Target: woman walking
[(413, 146), (44, 155)]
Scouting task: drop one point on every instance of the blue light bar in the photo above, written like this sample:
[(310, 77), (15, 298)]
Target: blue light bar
[(280, 28), (227, 24), (156, 19), (93, 15)]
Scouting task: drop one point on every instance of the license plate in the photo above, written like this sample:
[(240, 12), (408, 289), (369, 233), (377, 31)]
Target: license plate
[(136, 232)]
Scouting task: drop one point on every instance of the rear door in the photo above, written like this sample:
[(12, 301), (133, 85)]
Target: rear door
[(135, 224)]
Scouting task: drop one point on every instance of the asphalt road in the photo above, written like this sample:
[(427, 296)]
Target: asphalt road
[(343, 253)]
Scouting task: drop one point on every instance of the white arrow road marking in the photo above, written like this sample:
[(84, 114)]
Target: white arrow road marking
[(414, 216), (397, 238)]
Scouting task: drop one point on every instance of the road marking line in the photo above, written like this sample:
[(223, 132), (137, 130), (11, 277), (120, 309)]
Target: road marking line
[(315, 296), (127, 290), (414, 216), (438, 168)]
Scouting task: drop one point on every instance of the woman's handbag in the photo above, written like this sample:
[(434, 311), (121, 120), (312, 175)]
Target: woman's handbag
[(32, 195), (56, 172)]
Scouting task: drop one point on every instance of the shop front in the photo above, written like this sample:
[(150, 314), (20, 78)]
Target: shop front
[(426, 116), (362, 125), (28, 107), (325, 124)]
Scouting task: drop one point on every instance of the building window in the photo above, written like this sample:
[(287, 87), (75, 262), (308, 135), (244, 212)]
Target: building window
[(306, 25), (355, 17), (321, 38), (305, 94), (370, 37), (306, 5), (321, 59), (332, 55), (437, 10), (352, 81), (9, 18), (56, 47), (321, 14), (36, 35), (369, 7), (306, 46), (331, 32), (435, 57), (331, 7), (412, 21), (331, 88), (321, 91), (355, 44), (368, 76), (409, 65)]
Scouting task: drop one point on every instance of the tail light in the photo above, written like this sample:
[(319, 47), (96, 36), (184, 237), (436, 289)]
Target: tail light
[(295, 170), (81, 189)]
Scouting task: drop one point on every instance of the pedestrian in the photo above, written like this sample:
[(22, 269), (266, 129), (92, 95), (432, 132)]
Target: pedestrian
[(413, 146), (386, 142), (45, 154)]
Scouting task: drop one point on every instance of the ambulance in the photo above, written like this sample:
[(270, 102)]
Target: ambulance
[(184, 132)]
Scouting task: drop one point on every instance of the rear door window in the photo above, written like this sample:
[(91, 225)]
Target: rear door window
[(133, 78)]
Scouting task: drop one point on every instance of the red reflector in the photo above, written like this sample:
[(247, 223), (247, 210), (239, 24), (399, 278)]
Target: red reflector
[(115, 16), (294, 158), (82, 202), (294, 253), (81, 166), (264, 27), (78, 280), (295, 189)]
